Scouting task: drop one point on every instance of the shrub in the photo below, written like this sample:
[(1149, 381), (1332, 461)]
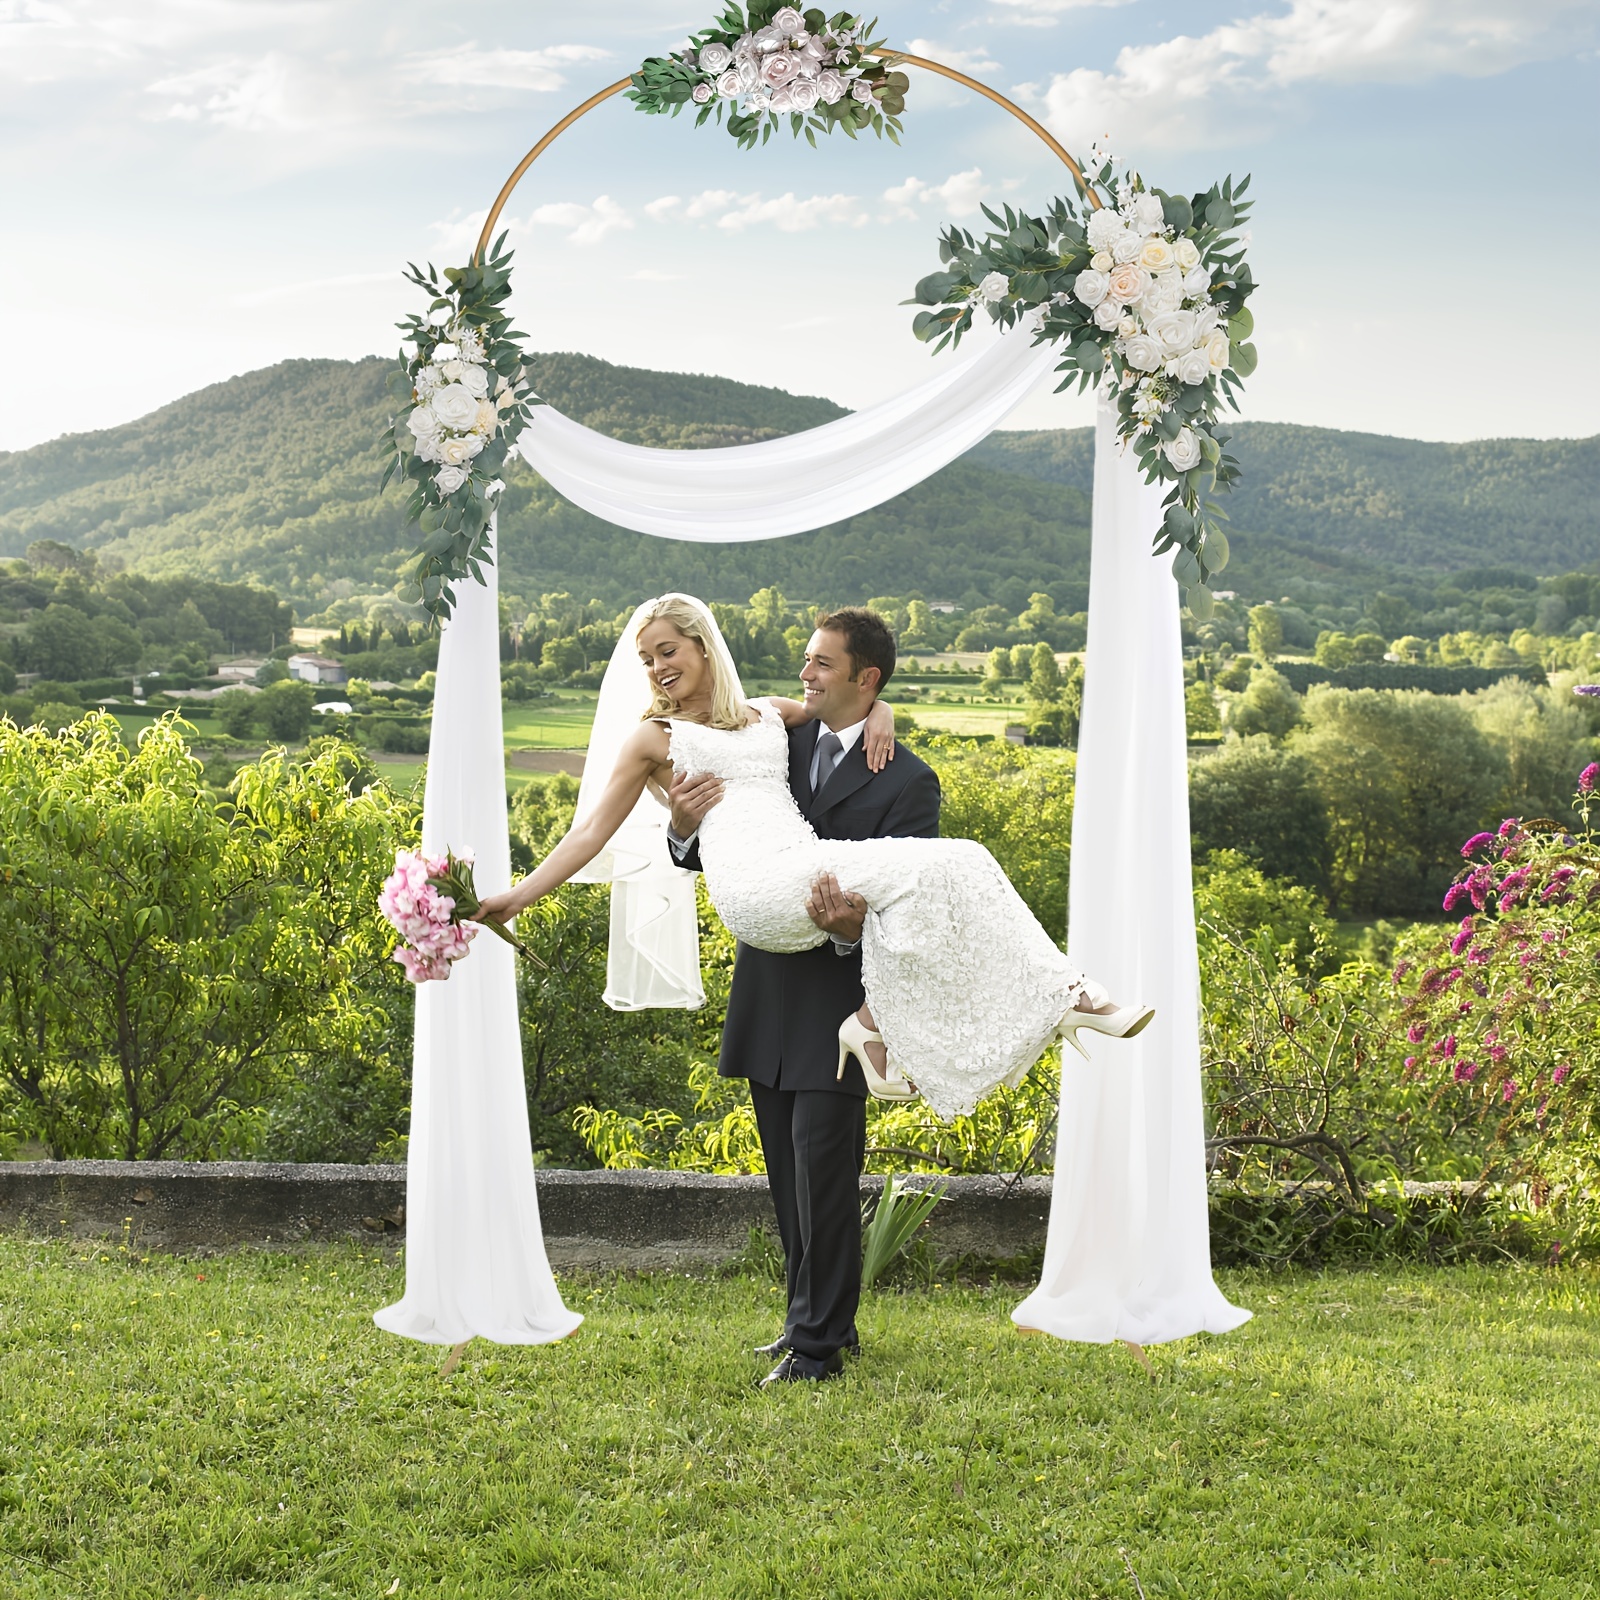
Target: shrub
[(395, 737), (1260, 800)]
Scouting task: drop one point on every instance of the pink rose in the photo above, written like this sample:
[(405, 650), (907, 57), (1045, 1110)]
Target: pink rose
[(701, 93), (861, 90), (1127, 283), (830, 87), (779, 68), (782, 98), (789, 21), (803, 95)]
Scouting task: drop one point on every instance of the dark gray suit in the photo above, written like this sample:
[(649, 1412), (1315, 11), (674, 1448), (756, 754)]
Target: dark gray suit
[(782, 1033)]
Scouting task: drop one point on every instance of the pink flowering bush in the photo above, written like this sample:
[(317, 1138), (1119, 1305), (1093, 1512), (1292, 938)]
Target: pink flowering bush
[(1504, 1011), (429, 901)]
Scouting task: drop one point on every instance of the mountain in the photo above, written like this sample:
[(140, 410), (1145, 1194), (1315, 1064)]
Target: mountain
[(272, 477)]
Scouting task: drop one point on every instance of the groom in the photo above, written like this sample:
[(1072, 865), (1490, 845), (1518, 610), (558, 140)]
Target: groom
[(784, 1011)]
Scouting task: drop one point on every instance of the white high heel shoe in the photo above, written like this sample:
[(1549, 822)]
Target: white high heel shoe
[(1122, 1023), (854, 1037)]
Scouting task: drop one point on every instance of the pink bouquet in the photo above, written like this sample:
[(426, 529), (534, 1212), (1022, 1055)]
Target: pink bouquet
[(430, 901)]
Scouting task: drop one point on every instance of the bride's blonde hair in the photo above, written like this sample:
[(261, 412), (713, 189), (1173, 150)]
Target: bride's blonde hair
[(727, 693)]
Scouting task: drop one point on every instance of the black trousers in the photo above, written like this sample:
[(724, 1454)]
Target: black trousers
[(815, 1144)]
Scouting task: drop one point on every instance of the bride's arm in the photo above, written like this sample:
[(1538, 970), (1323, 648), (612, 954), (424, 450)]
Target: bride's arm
[(644, 751), (877, 738)]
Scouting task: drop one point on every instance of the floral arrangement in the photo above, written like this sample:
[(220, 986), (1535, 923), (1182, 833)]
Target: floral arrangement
[(1148, 287), (429, 901), (1504, 1009), (778, 60), (465, 400)]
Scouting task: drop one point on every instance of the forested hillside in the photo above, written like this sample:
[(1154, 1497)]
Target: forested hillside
[(272, 477)]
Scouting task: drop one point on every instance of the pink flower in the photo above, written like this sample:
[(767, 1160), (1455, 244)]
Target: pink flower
[(1508, 1091), (1466, 1071), (1463, 938), (1560, 1073), (1417, 1032), (779, 67), (1411, 1061), (1591, 773), (1476, 843)]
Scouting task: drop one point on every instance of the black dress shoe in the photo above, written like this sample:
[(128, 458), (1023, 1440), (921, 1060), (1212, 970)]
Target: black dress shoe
[(781, 1343), (797, 1368)]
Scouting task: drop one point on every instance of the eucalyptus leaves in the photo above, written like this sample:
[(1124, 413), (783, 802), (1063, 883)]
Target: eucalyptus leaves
[(465, 400), (777, 61), (1152, 287)]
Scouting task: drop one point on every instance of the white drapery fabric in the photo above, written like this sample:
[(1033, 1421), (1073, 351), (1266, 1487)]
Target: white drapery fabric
[(653, 959), (789, 485), (475, 1257), (1128, 1254)]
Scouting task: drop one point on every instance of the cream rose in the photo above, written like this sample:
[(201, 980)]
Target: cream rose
[(1156, 255), (1142, 353), (804, 95), (449, 479), (1108, 315), (1193, 367), (455, 406), (451, 371), (1127, 283), (993, 288), (1101, 261), (1126, 246), (1216, 349), (1174, 332), (830, 87), (458, 452), (1184, 451), (715, 57), (1186, 252), (1091, 287)]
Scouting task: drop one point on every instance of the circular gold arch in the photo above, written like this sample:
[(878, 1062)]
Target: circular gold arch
[(893, 58)]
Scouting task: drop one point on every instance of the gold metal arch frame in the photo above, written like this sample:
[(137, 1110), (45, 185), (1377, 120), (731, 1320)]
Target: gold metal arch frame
[(894, 58)]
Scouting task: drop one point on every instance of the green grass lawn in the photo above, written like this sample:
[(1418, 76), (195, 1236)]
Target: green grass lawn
[(238, 1427), (558, 724)]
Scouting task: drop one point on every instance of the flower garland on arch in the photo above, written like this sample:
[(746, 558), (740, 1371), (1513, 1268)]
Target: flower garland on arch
[(776, 60), (1150, 287)]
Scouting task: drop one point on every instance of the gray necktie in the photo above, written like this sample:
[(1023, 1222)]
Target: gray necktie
[(828, 748)]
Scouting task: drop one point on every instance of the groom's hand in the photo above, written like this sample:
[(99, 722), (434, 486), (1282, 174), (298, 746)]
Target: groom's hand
[(835, 912), (691, 795)]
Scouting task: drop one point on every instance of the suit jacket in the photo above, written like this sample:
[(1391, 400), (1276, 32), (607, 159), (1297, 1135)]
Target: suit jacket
[(784, 1011)]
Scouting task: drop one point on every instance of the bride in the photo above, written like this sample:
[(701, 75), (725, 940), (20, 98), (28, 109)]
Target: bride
[(964, 988)]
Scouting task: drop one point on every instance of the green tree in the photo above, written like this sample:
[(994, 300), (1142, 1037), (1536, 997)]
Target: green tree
[(169, 961), (1542, 738), (563, 655), (284, 710), (62, 642), (236, 711), (1260, 800), (1404, 777), (1040, 617), (1200, 708), (1266, 632), (919, 622), (1044, 676), (996, 672), (1021, 657), (1267, 706)]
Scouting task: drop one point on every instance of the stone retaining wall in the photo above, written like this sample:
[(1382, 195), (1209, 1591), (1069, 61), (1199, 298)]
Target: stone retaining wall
[(596, 1220)]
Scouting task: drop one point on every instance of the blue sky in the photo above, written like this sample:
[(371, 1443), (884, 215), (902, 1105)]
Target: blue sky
[(194, 188)]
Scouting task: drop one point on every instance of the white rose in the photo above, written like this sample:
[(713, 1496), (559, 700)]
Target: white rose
[(749, 74), (1174, 332), (767, 38), (1184, 451), (1127, 327), (1197, 283), (993, 287), (782, 98), (779, 68), (475, 380), (1205, 319), (455, 406), (805, 66), (1104, 226), (830, 87), (816, 50), (1164, 294), (1193, 367), (1108, 315), (1142, 353), (1148, 213), (450, 371), (1216, 349), (1091, 287), (701, 93), (1101, 261), (458, 452), (428, 449), (487, 418), (729, 84), (423, 423), (1187, 252), (861, 90), (1126, 246), (449, 479), (789, 21), (1156, 255), (715, 57), (804, 95)]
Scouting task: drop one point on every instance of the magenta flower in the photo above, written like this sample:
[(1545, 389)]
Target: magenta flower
[(1466, 1071), (1587, 688), (1417, 1032), (430, 900), (1508, 1091), (1476, 843), (1591, 773), (1454, 895), (1463, 938), (1560, 1073), (1411, 1061), (1508, 827)]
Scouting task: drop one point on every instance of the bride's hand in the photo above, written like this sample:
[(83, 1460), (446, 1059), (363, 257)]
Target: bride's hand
[(877, 738), (497, 908)]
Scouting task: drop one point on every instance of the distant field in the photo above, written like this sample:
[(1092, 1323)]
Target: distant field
[(558, 724), (983, 717)]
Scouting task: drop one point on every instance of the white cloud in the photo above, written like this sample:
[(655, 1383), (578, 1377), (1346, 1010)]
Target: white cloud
[(735, 212), (584, 224), (314, 286), (253, 96), (1186, 91), (468, 66), (1043, 13), (959, 195), (975, 62)]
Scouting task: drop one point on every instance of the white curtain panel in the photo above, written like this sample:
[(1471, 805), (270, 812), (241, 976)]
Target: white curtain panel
[(475, 1257), (1128, 1255), (789, 485)]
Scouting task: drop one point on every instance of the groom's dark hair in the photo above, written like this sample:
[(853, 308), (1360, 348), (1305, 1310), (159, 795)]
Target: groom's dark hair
[(867, 637)]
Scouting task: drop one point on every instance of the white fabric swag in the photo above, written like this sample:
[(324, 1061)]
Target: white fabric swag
[(1127, 1254)]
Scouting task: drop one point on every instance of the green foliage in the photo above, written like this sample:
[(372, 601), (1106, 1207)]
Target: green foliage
[(171, 961), (888, 1224), (1268, 706), (1266, 632), (1200, 709), (236, 711), (284, 710), (1262, 801), (1301, 675), (1335, 649), (1232, 896)]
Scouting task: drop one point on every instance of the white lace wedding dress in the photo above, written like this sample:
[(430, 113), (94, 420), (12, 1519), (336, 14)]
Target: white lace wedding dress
[(964, 983)]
